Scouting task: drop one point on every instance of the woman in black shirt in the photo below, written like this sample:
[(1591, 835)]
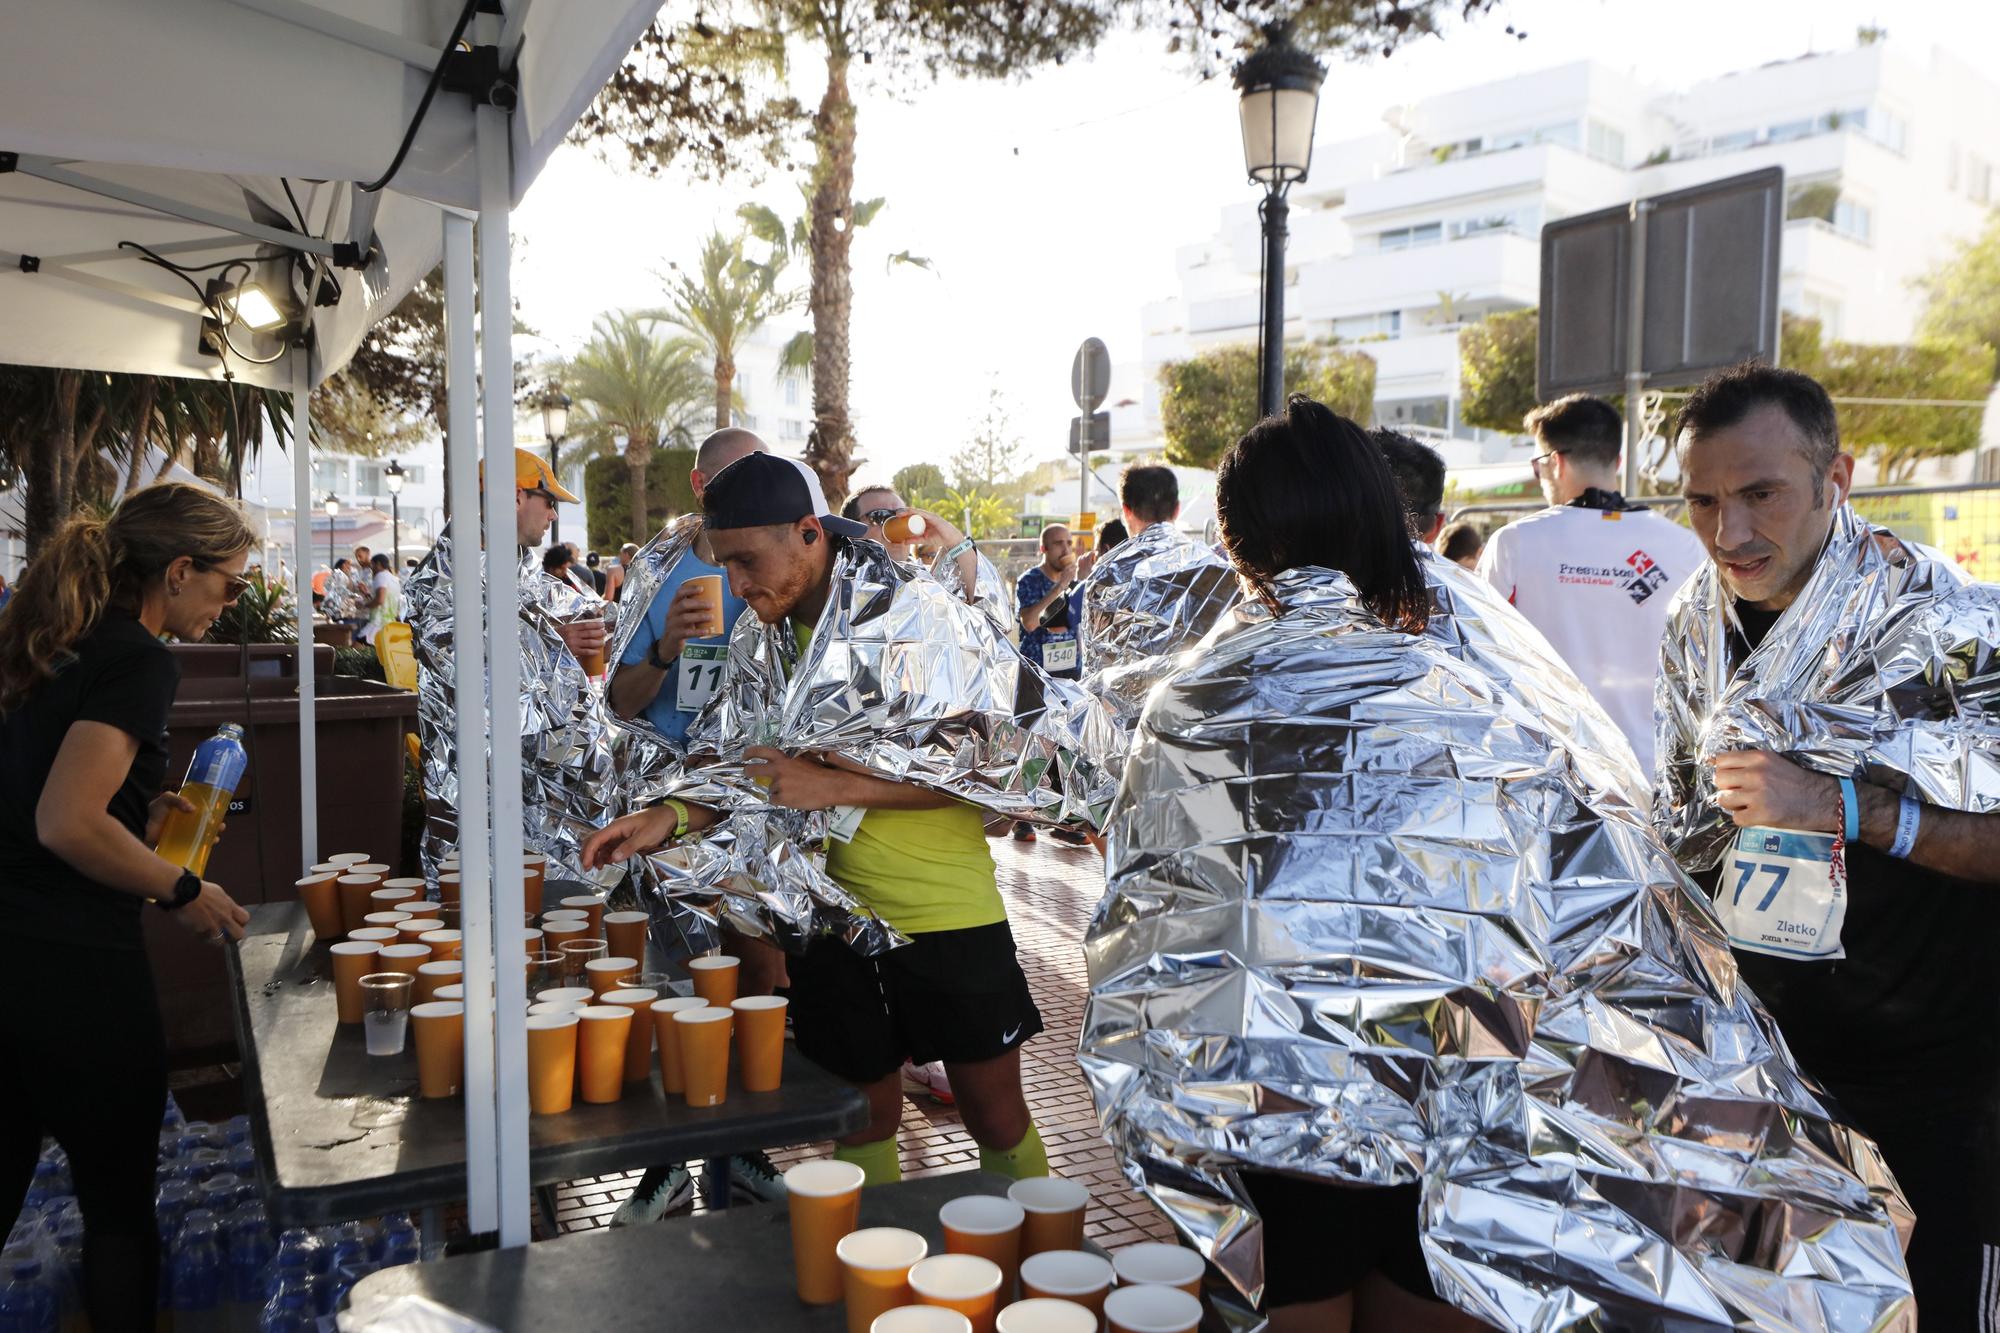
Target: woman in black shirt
[(85, 686)]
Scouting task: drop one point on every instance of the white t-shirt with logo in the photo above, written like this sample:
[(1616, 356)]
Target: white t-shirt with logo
[(1597, 583)]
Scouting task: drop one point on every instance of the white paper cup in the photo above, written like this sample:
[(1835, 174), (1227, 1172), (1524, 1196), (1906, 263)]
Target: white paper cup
[(1156, 1264), (580, 995), (1152, 1310)]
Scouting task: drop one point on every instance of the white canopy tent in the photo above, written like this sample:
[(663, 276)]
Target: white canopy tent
[(178, 127)]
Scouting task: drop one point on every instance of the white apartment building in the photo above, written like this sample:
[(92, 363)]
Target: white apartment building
[(1403, 235)]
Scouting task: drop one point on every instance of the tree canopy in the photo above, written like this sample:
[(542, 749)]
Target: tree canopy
[(1962, 293), (1210, 400), (1497, 370)]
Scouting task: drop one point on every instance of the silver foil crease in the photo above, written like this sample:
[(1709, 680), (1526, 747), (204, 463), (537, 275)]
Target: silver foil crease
[(903, 678), (1884, 667), (1151, 596), (1372, 920), (567, 791), (989, 593), (346, 596)]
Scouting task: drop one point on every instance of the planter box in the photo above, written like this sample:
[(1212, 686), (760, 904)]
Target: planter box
[(360, 726)]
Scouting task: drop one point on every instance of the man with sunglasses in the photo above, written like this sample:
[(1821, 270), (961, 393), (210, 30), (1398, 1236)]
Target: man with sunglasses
[(1594, 572)]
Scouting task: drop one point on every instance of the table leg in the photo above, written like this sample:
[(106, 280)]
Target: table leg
[(433, 1225), (545, 1201), (715, 1182)]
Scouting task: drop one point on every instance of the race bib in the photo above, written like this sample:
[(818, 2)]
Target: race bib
[(1059, 655), (1783, 893), (701, 667)]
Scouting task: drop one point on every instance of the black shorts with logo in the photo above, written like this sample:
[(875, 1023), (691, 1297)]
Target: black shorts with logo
[(953, 995)]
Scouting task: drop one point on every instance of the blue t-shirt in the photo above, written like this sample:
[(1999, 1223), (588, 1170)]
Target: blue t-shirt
[(699, 670), (1058, 641)]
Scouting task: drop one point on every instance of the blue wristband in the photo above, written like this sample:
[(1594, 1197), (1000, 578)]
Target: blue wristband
[(1909, 814), (1850, 812)]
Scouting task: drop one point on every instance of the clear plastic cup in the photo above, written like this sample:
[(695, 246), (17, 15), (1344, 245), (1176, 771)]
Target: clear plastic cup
[(385, 1013)]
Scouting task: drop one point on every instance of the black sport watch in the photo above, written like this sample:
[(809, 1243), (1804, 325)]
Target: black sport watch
[(186, 889), (653, 658)]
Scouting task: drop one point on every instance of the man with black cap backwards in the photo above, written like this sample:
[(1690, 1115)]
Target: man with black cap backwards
[(855, 651)]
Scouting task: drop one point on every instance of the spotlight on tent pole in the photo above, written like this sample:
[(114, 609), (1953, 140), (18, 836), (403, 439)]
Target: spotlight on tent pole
[(1278, 89)]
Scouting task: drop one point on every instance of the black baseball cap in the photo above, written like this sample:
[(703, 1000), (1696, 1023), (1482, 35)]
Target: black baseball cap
[(759, 490)]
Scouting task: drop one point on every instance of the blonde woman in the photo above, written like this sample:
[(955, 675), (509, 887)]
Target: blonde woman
[(85, 686)]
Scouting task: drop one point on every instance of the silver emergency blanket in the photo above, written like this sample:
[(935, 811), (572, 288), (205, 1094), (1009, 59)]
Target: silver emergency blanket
[(1371, 921), (988, 593), (346, 596), (1883, 667), (566, 768), (1151, 596), (902, 678)]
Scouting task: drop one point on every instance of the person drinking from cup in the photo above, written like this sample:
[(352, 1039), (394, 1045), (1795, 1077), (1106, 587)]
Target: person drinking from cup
[(919, 535), (915, 857), (85, 689)]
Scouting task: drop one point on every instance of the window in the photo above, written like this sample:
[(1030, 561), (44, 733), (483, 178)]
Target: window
[(1855, 220), (368, 478), (791, 391), (1792, 129), (1606, 144), (1978, 179), (1465, 227), (1732, 142), (1379, 324), (1409, 238), (330, 474)]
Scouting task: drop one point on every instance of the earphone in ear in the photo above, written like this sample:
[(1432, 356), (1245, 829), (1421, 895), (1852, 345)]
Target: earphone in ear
[(811, 536)]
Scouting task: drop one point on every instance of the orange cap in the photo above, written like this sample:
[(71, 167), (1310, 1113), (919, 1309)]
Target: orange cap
[(533, 473)]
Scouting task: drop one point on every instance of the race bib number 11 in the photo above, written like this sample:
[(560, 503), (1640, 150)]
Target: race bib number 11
[(1783, 893), (701, 666)]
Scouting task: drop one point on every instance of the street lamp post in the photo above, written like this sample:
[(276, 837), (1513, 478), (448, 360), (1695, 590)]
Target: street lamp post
[(392, 477), (332, 506), (555, 425), (1278, 90)]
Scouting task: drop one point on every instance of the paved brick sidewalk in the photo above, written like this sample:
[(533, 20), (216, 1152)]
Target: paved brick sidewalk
[(1050, 890)]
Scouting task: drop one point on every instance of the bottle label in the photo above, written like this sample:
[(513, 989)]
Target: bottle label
[(219, 763)]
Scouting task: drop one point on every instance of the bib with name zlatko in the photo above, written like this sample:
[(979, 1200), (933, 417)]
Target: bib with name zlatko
[(1784, 893)]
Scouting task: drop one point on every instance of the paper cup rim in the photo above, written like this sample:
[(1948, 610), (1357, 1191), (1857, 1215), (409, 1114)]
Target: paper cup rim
[(416, 921), (848, 1250), (406, 882), (374, 935), (964, 1267), (1013, 1211), (604, 1013), (674, 1004), (437, 1009), (360, 879), (348, 948), (457, 986), (318, 876), (405, 950), (606, 963), (1065, 1280), (588, 901), (627, 918), (446, 967), (563, 927), (376, 923), (541, 1007), (1136, 1257), (567, 1018), (384, 979), (397, 893), (1085, 1320), (1149, 1308), (628, 997), (919, 1319), (583, 993), (346, 859), (1025, 1192), (325, 868), (710, 964), (443, 935), (824, 1178), (706, 1014), (371, 868)]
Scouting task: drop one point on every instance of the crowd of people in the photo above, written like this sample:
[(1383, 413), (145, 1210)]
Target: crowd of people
[(1402, 829)]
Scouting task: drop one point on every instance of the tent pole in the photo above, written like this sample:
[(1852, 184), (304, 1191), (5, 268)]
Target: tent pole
[(302, 382), (469, 689), (496, 344)]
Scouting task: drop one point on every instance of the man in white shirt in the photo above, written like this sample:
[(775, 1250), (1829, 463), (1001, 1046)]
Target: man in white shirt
[(1594, 572)]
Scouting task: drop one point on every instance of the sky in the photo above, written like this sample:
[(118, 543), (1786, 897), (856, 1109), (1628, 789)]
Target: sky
[(1052, 207)]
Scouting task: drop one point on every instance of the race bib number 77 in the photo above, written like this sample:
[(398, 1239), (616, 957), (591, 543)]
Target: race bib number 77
[(1783, 893)]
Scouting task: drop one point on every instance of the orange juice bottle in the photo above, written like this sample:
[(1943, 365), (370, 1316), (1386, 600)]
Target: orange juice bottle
[(187, 839)]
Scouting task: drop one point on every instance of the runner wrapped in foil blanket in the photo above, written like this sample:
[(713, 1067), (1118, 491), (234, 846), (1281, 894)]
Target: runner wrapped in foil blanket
[(903, 678), (1883, 667), (1148, 598), (1372, 921), (566, 769)]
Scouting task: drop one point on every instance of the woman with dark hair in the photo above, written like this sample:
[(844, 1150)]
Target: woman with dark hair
[(85, 686)]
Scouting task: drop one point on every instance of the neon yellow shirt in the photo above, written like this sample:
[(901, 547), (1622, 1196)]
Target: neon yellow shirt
[(920, 870)]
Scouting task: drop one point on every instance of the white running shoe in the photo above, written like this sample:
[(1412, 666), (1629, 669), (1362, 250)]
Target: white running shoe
[(930, 1080), (669, 1193)]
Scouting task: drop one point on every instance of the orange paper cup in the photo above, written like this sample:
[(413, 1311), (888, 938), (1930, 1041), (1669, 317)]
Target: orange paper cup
[(824, 1198), (1043, 1315), (1152, 1310), (552, 1061), (443, 943), (920, 1319), (448, 886), (760, 1041), (375, 935), (714, 978), (988, 1226), (352, 960), (393, 897), (625, 932), (534, 869), (592, 908), (376, 868), (639, 1040), (710, 586), (600, 1053), (875, 1265), (417, 927), (1067, 1275), (431, 975), (602, 975), (704, 1039), (1054, 1208), (440, 1030), (965, 1283), (668, 1038), (347, 858), (384, 920), (354, 891), (404, 958), (321, 895), (1157, 1264)]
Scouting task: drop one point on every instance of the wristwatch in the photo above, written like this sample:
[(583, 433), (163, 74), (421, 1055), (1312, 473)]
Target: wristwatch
[(186, 889), (653, 658)]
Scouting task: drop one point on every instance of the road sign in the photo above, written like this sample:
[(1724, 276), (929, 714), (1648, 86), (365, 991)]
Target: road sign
[(1099, 431), (1090, 376), (1704, 295)]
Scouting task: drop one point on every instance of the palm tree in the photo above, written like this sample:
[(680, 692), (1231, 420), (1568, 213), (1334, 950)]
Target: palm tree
[(725, 301), (630, 381)]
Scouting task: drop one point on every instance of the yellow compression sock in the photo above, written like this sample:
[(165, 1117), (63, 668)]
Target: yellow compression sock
[(1026, 1158), (879, 1162)]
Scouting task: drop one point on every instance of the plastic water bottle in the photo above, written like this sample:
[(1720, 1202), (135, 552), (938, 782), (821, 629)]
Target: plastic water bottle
[(27, 1297), (249, 1250), (171, 1118), (196, 1264), (187, 839), (290, 1311), (236, 1130), (66, 1266), (348, 1258)]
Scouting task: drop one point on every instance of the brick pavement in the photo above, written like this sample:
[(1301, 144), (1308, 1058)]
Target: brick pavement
[(1050, 891)]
